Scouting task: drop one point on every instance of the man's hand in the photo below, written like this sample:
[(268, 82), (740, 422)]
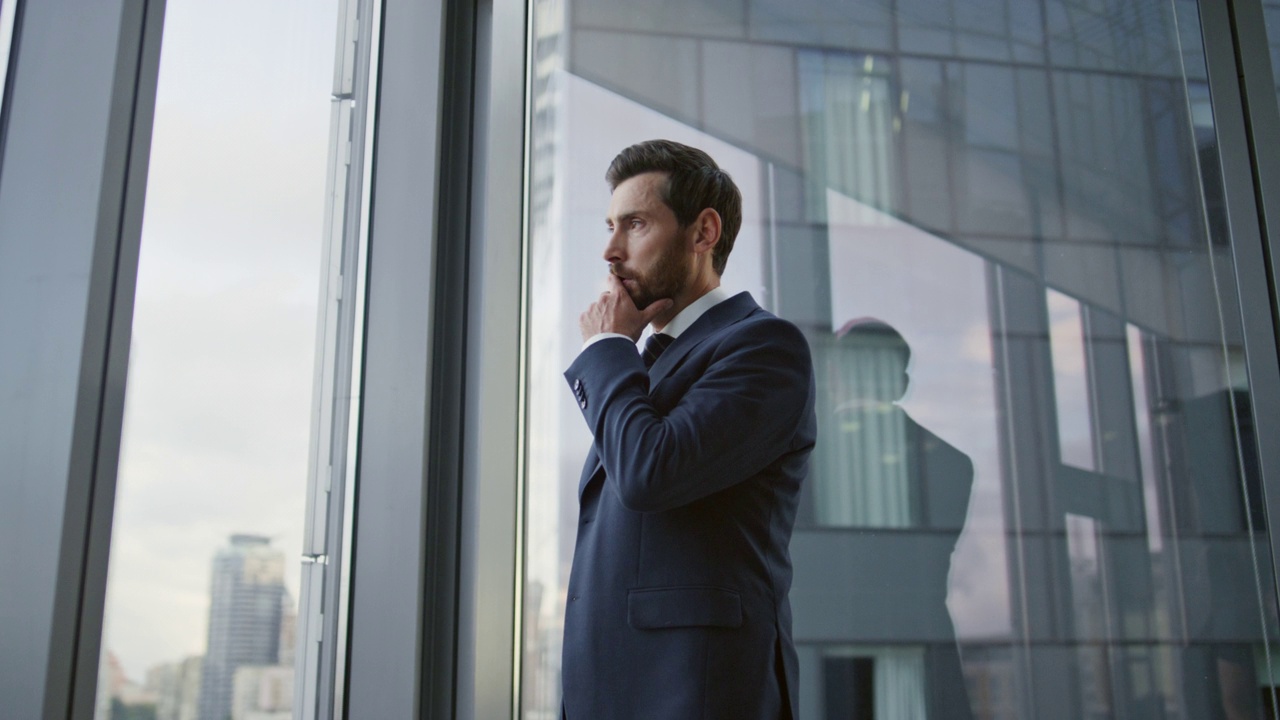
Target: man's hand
[(615, 312)]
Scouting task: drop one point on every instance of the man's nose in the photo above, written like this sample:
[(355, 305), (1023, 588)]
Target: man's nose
[(615, 251)]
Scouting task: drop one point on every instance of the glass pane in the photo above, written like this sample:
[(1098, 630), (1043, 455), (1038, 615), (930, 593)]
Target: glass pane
[(7, 9), (230, 420), (1035, 490), (1071, 380), (1271, 15)]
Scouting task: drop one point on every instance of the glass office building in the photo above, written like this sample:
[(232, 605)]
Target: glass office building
[(305, 277)]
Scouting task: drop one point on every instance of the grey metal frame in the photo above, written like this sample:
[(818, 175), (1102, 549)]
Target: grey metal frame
[(389, 571), (1249, 245), (1262, 126), (71, 197), (322, 597), (434, 583), (493, 537), (1246, 80)]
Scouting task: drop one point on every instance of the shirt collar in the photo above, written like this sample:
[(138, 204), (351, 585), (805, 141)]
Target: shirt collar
[(688, 316)]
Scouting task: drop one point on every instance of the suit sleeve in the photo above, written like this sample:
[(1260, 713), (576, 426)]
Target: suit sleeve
[(734, 420)]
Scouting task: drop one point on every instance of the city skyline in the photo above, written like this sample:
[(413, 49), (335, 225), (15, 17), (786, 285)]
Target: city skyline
[(247, 662)]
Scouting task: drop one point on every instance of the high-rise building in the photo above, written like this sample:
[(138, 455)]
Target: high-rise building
[(244, 618)]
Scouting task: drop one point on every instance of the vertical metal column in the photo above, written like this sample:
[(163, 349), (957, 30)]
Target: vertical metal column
[(1262, 125), (492, 511), (1242, 199), (318, 670), (77, 126), (393, 567)]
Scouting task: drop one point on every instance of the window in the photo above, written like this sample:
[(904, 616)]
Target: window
[(999, 227), (228, 534)]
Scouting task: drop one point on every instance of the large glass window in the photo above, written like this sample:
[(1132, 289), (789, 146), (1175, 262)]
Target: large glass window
[(1035, 491), (231, 474)]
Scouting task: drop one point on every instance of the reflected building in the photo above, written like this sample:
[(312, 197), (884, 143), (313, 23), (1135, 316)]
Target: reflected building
[(881, 515), (1027, 193), (245, 612)]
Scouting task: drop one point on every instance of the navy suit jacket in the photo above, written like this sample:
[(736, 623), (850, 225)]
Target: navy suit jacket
[(677, 603)]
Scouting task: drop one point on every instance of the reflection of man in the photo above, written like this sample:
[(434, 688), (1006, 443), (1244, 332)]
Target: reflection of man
[(1221, 612), (678, 602), (877, 468)]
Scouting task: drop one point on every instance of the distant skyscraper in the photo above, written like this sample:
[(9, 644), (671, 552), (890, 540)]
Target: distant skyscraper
[(244, 618)]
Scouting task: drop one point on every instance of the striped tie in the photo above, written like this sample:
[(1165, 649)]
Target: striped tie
[(654, 346)]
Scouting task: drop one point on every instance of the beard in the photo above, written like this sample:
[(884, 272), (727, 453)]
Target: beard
[(666, 279)]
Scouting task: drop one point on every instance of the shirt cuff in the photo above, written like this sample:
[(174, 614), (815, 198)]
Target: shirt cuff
[(604, 336)]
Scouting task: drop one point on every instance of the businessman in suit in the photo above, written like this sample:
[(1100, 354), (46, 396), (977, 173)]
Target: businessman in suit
[(677, 602)]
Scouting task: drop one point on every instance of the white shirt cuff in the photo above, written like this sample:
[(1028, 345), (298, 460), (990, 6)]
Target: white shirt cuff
[(604, 336)]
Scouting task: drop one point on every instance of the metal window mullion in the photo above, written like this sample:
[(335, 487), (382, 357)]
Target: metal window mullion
[(1247, 247), (337, 343), (492, 580), (1262, 124), (74, 148), (389, 555), (350, 328)]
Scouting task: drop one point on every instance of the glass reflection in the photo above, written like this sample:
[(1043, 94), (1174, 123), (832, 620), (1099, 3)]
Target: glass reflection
[(1070, 380), (1271, 18), (7, 10), (203, 585), (1052, 508)]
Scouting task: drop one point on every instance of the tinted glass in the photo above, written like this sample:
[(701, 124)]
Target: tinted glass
[(1271, 13), (1035, 490), (7, 9), (233, 346)]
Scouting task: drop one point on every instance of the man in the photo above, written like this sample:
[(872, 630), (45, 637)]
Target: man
[(677, 603)]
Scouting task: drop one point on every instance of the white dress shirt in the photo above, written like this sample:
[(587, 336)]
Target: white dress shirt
[(681, 322)]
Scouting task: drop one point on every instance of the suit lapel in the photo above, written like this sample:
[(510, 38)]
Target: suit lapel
[(723, 315)]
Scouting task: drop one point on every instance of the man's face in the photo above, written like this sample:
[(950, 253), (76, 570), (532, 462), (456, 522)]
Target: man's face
[(647, 249)]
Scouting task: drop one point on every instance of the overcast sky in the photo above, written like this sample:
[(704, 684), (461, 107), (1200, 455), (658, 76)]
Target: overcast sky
[(218, 404)]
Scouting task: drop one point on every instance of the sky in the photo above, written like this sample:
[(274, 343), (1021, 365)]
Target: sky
[(218, 403)]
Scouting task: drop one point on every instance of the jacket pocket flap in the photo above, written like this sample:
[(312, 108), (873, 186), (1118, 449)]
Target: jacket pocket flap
[(673, 607)]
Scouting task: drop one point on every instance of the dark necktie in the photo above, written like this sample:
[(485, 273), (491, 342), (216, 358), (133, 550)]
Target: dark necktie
[(654, 346)]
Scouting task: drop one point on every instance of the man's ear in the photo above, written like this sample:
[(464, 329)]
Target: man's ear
[(706, 231)]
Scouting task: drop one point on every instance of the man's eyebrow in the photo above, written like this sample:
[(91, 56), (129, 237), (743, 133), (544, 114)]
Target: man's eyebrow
[(624, 216)]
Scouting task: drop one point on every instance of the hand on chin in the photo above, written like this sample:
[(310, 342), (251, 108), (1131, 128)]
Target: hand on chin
[(615, 311)]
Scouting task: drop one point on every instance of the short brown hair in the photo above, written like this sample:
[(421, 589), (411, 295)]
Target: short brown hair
[(694, 182)]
